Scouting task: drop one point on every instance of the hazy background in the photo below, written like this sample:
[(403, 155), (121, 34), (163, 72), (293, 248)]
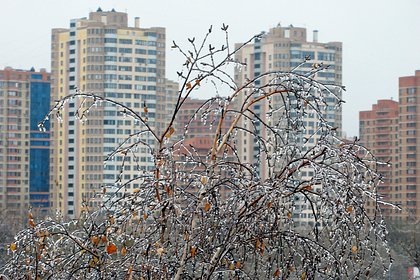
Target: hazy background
[(381, 39)]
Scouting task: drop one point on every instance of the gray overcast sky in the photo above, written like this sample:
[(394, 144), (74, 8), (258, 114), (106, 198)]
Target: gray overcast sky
[(381, 39)]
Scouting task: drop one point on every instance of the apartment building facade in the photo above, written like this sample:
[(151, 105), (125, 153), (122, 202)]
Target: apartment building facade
[(24, 150), (101, 54)]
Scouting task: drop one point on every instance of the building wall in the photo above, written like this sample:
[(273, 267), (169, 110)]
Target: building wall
[(408, 195), (379, 133), (24, 101), (103, 55)]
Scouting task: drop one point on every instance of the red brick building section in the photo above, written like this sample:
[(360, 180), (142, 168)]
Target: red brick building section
[(379, 133)]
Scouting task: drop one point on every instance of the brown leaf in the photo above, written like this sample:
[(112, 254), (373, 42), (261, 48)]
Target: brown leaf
[(30, 216), (349, 209), (31, 223), (111, 249), (111, 220), (303, 276), (289, 215), (270, 204), (238, 264), (103, 238), (193, 251), (123, 251), (170, 132), (354, 249), (207, 207), (277, 273), (257, 244), (95, 240), (188, 85), (197, 82)]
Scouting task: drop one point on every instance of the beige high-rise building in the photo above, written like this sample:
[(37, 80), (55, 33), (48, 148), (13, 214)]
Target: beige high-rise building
[(283, 49), (103, 55)]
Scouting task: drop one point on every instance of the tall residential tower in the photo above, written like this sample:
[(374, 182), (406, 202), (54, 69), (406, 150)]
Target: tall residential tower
[(101, 54), (24, 150)]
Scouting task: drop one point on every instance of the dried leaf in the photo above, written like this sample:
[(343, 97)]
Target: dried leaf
[(270, 204), (349, 209), (289, 215), (136, 190), (203, 180), (257, 244), (30, 216), (188, 86), (111, 249), (13, 246), (354, 249), (111, 220), (303, 276), (170, 132), (277, 273), (95, 240), (207, 207), (144, 216), (103, 238), (123, 251), (238, 264), (193, 251), (31, 223), (197, 82), (160, 251)]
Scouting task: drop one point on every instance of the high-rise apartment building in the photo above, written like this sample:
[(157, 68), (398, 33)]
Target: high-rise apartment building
[(378, 130), (103, 55), (24, 150), (407, 187), (283, 49)]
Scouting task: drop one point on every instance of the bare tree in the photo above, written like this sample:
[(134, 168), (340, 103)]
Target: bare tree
[(213, 216)]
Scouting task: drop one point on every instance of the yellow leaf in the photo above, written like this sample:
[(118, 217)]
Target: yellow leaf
[(13, 246), (207, 207), (111, 249), (303, 276), (170, 132), (231, 266), (123, 251), (203, 180), (136, 190), (354, 249)]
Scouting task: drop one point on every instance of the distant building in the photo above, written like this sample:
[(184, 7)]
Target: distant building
[(103, 55), (283, 49), (378, 130), (408, 184), (24, 150)]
